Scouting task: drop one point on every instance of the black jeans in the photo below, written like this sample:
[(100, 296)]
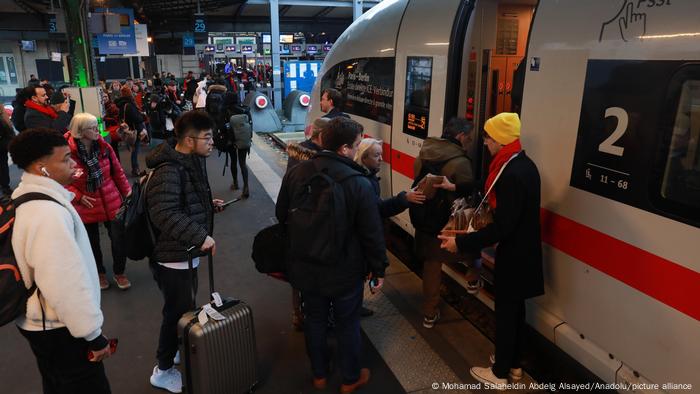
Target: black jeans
[(63, 363), (174, 284), (118, 256), (510, 323), (240, 156), (346, 311)]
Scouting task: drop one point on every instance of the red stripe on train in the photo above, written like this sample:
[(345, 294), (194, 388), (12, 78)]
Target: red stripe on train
[(664, 280), (661, 279)]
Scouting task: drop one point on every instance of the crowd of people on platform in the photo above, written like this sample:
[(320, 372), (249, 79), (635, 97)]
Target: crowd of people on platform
[(65, 158)]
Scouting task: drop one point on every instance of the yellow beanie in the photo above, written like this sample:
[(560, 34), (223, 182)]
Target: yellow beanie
[(504, 128)]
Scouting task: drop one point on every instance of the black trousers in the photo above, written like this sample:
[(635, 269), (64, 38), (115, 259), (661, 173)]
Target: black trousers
[(118, 256), (4, 169), (174, 284), (239, 155), (510, 324), (63, 363)]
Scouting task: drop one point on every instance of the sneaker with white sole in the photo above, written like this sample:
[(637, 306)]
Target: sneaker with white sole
[(169, 380), (486, 376), (429, 322), (176, 359), (515, 374)]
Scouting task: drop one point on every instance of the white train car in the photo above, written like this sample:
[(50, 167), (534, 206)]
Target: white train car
[(611, 115)]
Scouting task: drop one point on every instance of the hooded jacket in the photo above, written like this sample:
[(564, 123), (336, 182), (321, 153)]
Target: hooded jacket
[(302, 151), (179, 203), (364, 250), (53, 250), (457, 165), (108, 197)]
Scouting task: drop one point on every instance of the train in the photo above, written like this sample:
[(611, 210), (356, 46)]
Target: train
[(609, 97)]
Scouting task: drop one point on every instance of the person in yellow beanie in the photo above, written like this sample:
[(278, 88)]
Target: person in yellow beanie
[(514, 178)]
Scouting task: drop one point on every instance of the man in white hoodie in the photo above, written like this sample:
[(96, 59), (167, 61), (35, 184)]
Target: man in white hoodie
[(63, 319)]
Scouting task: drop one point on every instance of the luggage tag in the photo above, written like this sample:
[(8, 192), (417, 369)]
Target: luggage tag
[(202, 317), (217, 299), (213, 313)]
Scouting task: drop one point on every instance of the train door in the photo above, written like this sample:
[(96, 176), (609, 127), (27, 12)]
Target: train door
[(512, 27), (494, 45)]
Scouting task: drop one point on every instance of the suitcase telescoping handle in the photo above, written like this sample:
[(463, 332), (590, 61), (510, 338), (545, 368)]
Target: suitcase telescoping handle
[(190, 265)]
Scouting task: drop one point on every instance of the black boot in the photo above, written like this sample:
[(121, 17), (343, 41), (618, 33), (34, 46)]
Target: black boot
[(246, 192)]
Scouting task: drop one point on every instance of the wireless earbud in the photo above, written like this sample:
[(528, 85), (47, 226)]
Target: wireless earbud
[(43, 171)]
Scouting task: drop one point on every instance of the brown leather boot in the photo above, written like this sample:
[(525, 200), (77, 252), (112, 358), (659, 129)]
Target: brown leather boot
[(349, 388)]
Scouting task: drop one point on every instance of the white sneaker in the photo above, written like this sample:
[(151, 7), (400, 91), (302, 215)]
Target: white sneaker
[(176, 359), (170, 380), (486, 376), (429, 322), (515, 374)]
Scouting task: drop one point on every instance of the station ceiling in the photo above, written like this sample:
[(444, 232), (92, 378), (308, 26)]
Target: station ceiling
[(159, 12)]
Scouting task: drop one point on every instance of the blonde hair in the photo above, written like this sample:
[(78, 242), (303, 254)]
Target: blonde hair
[(365, 144), (317, 127), (80, 122)]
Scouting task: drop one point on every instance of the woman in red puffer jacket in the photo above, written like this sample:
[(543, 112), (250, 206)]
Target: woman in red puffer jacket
[(99, 189)]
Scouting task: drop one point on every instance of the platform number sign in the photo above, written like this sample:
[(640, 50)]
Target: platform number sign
[(619, 128), (200, 25)]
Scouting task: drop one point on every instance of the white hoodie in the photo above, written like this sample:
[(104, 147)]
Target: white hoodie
[(53, 250)]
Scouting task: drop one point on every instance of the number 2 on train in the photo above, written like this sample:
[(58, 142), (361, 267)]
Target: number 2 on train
[(622, 121)]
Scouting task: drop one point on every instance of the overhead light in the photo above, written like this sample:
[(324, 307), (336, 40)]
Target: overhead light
[(150, 39)]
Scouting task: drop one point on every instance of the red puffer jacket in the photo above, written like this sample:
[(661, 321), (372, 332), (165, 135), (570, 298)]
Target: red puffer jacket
[(108, 198)]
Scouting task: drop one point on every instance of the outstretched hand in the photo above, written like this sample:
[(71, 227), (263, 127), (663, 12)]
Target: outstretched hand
[(415, 196)]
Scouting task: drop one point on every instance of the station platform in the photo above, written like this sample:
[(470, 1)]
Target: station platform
[(403, 356)]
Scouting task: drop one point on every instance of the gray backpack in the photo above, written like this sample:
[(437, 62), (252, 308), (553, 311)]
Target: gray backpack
[(242, 131)]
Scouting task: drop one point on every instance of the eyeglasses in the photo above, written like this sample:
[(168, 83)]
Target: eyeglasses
[(94, 128), (210, 138)]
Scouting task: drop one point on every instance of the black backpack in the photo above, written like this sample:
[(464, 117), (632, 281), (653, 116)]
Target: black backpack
[(431, 216), (317, 222), (13, 293), (132, 225)]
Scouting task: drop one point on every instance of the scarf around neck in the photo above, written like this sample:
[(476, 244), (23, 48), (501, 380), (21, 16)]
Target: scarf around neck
[(48, 111), (92, 162), (498, 161)]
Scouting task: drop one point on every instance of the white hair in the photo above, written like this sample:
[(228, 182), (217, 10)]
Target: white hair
[(365, 144), (80, 122)]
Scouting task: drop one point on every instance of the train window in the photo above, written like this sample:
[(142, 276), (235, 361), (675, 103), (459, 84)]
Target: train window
[(419, 72), (681, 178), (367, 86)]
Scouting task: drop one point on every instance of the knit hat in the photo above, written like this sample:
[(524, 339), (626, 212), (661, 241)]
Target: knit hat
[(504, 128)]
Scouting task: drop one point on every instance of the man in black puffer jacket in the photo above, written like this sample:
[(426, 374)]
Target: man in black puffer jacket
[(359, 252), (181, 209)]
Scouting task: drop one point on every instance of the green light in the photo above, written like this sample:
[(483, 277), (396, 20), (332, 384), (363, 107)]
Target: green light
[(101, 127), (80, 40)]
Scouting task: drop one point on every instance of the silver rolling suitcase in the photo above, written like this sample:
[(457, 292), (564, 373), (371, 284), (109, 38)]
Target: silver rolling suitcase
[(219, 356)]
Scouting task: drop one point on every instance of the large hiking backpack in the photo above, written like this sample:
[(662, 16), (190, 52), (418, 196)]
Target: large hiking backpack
[(132, 225), (431, 216), (317, 222), (13, 293)]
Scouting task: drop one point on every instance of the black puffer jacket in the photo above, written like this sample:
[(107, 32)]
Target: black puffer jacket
[(364, 250), (182, 214)]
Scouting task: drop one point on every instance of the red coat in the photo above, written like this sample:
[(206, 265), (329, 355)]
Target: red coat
[(108, 198)]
